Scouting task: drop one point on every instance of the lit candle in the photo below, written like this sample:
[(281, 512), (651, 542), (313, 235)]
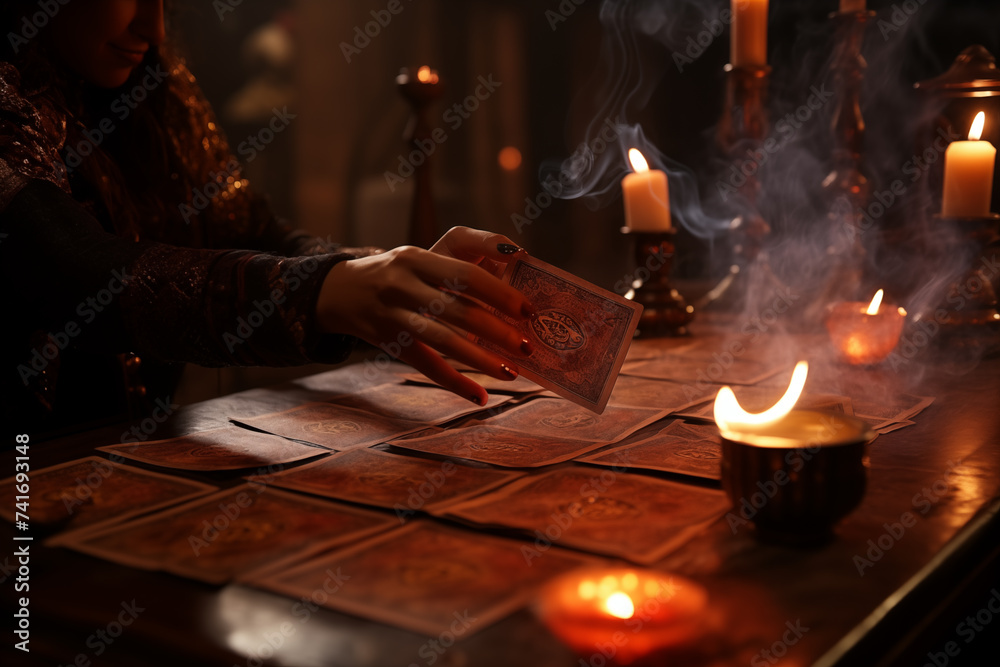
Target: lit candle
[(748, 36), (865, 335), (852, 6), (968, 175), (635, 611), (792, 473), (647, 204)]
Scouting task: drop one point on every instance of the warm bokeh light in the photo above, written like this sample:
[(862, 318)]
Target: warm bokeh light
[(729, 414), (619, 605), (874, 305), (426, 75), (509, 158), (976, 131), (639, 163)]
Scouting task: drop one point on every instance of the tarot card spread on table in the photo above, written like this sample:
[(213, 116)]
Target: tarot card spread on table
[(425, 577), (402, 483), (229, 533), (608, 512), (581, 333), (93, 491)]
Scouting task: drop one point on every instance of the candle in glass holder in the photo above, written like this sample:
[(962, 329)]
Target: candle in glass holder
[(968, 175), (625, 612), (791, 473), (748, 34), (647, 203), (865, 335)]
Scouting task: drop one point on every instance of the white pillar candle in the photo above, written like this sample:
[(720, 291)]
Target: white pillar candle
[(968, 175), (647, 202), (748, 34)]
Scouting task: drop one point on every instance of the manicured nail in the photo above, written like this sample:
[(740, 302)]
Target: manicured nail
[(508, 248), (526, 347), (478, 400), (508, 371), (528, 311)]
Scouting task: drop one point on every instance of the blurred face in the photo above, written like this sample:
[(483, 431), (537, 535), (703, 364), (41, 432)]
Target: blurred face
[(104, 40)]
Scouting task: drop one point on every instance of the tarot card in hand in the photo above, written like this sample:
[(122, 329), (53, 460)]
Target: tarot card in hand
[(687, 449), (581, 333), (92, 491), (603, 511), (426, 577), (405, 484), (229, 448), (218, 537)]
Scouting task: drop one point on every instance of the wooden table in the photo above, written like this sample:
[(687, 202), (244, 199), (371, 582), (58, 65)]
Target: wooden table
[(907, 603)]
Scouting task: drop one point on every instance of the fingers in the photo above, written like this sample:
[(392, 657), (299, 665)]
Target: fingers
[(473, 245), (461, 277), (437, 369), (448, 342)]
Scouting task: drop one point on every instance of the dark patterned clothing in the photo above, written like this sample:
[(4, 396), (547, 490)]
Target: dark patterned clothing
[(118, 222)]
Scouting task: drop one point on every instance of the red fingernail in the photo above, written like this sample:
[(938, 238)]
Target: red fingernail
[(478, 400), (526, 347), (508, 371), (528, 311)]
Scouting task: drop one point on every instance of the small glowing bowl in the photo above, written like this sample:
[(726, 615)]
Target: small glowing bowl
[(620, 615), (861, 338)]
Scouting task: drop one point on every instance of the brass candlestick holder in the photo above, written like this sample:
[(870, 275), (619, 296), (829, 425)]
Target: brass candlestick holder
[(741, 132), (969, 312), (665, 312), (421, 86)]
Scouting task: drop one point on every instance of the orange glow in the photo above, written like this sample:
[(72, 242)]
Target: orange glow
[(619, 605), (976, 131), (876, 302), (426, 75), (730, 415), (509, 158), (639, 163)]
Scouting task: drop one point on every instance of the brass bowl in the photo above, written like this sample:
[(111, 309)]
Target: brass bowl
[(796, 478)]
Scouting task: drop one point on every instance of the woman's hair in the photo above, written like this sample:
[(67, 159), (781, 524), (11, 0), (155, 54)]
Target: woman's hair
[(140, 139)]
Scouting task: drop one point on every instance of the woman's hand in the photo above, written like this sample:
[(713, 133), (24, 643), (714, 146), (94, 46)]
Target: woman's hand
[(411, 302)]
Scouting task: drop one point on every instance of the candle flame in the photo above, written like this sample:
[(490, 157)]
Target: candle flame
[(729, 413), (620, 605), (426, 75), (876, 302), (639, 163), (976, 131)]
